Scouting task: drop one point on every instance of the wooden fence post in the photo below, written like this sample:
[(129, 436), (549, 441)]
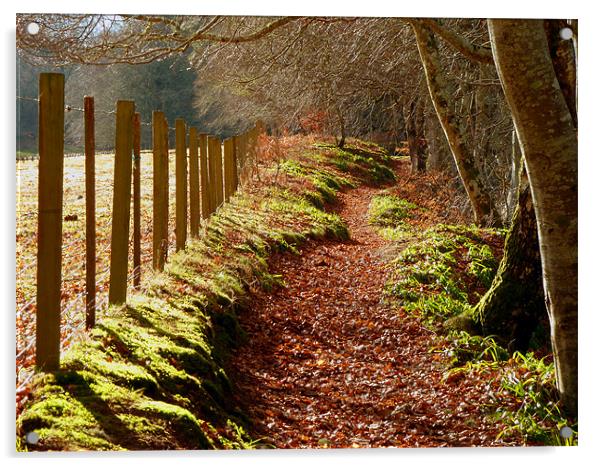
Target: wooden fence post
[(244, 145), (137, 252), (89, 149), (181, 182), (228, 159), (212, 161), (51, 121), (205, 188), (167, 188), (235, 152), (219, 174), (195, 205), (160, 192), (122, 189)]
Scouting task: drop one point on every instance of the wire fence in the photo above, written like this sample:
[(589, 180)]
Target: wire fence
[(154, 226)]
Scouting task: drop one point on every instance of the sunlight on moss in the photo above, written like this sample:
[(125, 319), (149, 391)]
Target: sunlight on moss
[(389, 210), (150, 374)]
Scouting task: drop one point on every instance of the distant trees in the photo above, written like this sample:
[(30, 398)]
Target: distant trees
[(26, 105), (165, 85)]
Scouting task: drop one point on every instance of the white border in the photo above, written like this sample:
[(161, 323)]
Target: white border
[(590, 172)]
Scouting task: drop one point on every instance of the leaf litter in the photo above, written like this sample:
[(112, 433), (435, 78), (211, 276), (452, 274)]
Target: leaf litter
[(328, 364)]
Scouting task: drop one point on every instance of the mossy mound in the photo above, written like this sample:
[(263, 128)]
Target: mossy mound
[(443, 272), (389, 211), (364, 161)]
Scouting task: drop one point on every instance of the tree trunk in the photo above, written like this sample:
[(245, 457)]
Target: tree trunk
[(411, 136), (563, 59), (421, 152), (439, 157), (548, 139), (341, 119), (455, 129), (514, 304), (517, 161)]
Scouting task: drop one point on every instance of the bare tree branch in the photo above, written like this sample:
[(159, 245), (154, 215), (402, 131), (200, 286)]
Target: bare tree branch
[(459, 43)]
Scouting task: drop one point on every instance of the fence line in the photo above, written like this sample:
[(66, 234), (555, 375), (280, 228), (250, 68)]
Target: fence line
[(207, 174)]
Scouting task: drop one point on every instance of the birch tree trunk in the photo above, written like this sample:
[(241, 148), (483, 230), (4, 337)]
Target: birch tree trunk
[(548, 139), (455, 129)]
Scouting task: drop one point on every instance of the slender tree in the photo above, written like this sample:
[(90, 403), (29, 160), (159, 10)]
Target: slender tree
[(454, 127)]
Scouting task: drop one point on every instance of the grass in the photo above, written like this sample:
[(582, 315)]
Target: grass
[(151, 374)]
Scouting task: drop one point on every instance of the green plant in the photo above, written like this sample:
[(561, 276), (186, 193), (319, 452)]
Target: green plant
[(389, 210), (482, 263), (528, 384), (467, 351), (523, 392)]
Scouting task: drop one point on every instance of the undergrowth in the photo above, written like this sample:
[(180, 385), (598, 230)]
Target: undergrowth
[(389, 211), (442, 274), (434, 278), (366, 162), (150, 374), (521, 388)]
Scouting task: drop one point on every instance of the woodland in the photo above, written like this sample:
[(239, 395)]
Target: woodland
[(398, 268)]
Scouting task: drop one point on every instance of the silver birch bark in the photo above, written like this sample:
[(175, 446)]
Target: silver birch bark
[(454, 128), (548, 139)]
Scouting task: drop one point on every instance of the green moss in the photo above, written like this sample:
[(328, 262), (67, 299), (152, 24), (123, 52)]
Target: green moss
[(389, 210), (150, 375), (401, 232), (366, 161), (179, 419), (431, 276)]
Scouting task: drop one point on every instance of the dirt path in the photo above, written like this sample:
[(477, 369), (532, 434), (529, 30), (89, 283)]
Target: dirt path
[(328, 365)]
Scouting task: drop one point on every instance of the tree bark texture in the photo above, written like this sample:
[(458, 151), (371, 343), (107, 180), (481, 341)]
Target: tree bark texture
[(514, 305), (563, 59), (455, 129), (548, 139), (421, 152)]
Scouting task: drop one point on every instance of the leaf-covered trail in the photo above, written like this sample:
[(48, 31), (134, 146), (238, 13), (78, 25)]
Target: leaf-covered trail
[(328, 364)]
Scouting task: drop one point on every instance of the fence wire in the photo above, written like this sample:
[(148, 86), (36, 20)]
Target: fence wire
[(73, 108), (73, 297)]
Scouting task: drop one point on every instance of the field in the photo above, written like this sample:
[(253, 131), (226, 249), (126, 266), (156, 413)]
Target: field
[(74, 253)]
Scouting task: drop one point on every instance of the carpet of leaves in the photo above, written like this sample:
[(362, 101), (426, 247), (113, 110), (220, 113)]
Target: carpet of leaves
[(329, 365)]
